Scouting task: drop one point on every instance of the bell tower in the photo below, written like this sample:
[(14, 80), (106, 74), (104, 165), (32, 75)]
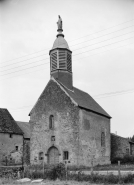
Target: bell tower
[(61, 59)]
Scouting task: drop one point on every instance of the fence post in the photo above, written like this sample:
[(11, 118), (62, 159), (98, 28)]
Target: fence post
[(92, 167), (119, 172), (43, 168)]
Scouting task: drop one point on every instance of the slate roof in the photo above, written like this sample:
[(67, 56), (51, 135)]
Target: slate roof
[(84, 100), (25, 127), (7, 123)]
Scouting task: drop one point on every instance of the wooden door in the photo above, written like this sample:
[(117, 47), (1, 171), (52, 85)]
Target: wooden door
[(53, 155)]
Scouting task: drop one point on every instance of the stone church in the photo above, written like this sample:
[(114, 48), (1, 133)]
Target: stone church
[(66, 123)]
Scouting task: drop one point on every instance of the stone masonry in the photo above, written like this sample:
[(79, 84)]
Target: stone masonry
[(71, 130)]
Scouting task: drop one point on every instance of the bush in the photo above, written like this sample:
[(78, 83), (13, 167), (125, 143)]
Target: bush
[(50, 171), (127, 159)]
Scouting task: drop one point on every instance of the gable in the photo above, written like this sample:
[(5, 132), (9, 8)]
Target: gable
[(52, 88)]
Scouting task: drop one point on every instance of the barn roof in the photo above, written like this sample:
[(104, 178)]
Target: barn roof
[(25, 127), (8, 124)]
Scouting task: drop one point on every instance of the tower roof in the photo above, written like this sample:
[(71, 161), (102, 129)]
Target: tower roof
[(60, 42)]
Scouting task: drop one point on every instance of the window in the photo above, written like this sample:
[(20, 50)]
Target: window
[(41, 156), (65, 155), (103, 139), (10, 135), (16, 147), (51, 122), (53, 138), (54, 61), (127, 151), (86, 124)]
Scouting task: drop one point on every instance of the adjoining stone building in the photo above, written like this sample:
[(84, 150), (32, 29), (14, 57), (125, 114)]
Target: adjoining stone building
[(121, 147), (66, 122), (11, 140), (14, 137)]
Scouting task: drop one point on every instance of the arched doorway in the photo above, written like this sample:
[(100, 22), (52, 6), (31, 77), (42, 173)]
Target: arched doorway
[(53, 155)]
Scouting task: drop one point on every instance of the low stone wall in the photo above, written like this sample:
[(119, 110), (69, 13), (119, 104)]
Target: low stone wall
[(119, 146)]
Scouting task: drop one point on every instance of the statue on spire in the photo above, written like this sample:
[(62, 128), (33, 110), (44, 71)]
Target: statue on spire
[(59, 24)]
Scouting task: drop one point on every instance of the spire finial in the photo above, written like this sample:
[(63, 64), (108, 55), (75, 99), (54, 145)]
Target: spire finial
[(59, 24)]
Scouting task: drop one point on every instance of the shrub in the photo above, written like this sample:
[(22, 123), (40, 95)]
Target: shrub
[(127, 159), (50, 171)]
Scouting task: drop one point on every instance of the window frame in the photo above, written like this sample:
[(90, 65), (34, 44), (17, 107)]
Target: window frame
[(41, 156), (103, 142), (65, 155), (51, 122)]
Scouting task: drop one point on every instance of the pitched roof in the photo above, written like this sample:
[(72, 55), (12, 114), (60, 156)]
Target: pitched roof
[(84, 100), (81, 98), (25, 127), (7, 123)]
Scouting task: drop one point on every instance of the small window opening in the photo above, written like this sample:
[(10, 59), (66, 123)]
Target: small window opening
[(16, 147), (127, 151), (51, 122), (10, 135), (53, 138), (41, 156), (65, 155), (103, 139)]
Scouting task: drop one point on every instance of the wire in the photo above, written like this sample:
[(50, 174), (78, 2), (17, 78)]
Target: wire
[(116, 93), (74, 50), (103, 41), (74, 55), (73, 40), (71, 46), (102, 46), (101, 36)]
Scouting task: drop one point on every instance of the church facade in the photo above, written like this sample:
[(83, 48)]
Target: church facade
[(66, 123)]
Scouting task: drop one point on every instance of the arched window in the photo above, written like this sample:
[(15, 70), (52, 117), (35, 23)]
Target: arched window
[(40, 155), (103, 139), (51, 122)]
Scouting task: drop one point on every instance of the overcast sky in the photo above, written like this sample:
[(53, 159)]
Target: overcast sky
[(100, 34)]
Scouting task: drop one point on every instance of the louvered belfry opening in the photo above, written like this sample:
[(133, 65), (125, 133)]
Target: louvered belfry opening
[(61, 60), (54, 61)]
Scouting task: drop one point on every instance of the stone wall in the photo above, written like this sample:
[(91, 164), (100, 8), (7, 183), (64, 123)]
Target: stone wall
[(26, 153), (54, 101), (11, 149), (71, 130), (119, 146), (91, 127)]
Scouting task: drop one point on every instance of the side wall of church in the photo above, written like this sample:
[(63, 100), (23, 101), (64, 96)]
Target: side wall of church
[(54, 101), (90, 147), (11, 149)]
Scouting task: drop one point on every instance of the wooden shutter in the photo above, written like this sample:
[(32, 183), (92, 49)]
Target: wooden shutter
[(54, 61), (62, 59)]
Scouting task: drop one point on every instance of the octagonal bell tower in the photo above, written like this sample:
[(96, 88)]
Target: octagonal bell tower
[(61, 59)]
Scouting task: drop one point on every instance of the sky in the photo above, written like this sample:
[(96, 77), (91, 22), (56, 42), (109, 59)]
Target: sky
[(100, 34)]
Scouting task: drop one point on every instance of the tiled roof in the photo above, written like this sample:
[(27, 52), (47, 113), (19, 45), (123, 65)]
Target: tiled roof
[(7, 123), (25, 127), (84, 100)]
